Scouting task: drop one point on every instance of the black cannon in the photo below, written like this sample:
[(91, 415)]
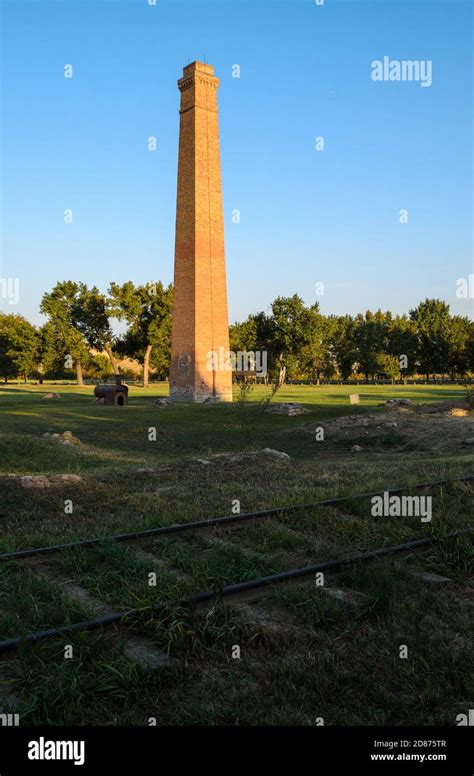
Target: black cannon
[(114, 395)]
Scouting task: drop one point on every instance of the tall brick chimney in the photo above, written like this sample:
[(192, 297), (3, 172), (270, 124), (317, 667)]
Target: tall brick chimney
[(200, 319)]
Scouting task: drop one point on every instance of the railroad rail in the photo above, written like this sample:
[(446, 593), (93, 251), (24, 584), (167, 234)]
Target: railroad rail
[(206, 596), (220, 521), (228, 591)]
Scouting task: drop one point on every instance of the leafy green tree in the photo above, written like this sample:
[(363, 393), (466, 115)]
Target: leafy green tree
[(432, 320), (402, 343), (264, 342), (290, 328), (460, 333), (147, 311), (342, 346), (7, 364), (19, 347), (243, 336), (470, 348), (92, 315), (390, 365), (313, 354), (369, 338), (51, 351), (99, 367), (62, 306)]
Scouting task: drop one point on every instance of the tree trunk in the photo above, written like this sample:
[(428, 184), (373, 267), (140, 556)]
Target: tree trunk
[(146, 365), (282, 375), (111, 356), (80, 380)]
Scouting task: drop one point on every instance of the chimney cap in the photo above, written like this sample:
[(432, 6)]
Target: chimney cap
[(198, 67)]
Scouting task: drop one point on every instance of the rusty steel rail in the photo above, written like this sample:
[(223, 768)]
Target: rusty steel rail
[(225, 592), (219, 521)]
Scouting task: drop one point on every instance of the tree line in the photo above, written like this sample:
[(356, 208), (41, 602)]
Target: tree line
[(299, 341), (304, 344), (78, 332)]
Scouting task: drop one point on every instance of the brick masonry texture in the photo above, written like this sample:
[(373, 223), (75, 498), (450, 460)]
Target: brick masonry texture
[(200, 317)]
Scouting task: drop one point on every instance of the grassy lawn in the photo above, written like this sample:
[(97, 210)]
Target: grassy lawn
[(304, 653), (113, 437)]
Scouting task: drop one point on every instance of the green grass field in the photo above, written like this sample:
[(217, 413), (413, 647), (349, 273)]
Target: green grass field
[(118, 436), (304, 655)]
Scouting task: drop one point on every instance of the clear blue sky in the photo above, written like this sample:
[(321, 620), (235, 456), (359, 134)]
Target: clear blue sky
[(306, 216)]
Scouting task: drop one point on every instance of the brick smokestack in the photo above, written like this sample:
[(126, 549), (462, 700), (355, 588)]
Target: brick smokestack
[(200, 318)]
